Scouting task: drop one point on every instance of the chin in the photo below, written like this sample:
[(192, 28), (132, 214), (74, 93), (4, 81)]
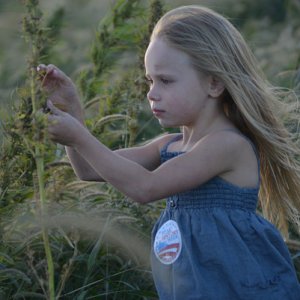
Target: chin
[(168, 124)]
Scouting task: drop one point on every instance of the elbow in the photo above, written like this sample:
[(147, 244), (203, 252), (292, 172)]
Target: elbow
[(143, 194), (83, 178), (143, 200), (88, 177)]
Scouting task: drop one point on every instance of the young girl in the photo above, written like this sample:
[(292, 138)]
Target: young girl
[(208, 243)]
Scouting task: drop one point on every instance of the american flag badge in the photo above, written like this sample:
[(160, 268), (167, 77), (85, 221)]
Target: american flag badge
[(167, 243)]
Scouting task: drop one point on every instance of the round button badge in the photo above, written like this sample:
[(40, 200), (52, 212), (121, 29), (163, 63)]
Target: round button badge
[(167, 243)]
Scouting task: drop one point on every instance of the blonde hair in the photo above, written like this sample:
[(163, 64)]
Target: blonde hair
[(216, 48)]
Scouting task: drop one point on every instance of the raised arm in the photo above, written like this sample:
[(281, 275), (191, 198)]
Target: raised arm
[(63, 94), (61, 90), (147, 156), (210, 157)]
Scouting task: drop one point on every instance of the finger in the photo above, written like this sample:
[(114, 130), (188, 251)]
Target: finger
[(41, 71), (52, 137), (55, 73), (45, 68), (50, 75), (53, 109), (52, 121), (41, 68)]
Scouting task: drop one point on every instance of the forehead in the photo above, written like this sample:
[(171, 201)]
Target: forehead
[(161, 57)]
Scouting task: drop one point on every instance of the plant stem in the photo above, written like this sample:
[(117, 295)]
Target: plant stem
[(39, 159)]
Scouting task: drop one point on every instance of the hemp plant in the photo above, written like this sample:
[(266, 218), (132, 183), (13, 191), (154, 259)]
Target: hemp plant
[(123, 35), (34, 121)]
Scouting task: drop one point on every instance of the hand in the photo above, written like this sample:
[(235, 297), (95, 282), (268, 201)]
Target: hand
[(61, 90), (63, 128)]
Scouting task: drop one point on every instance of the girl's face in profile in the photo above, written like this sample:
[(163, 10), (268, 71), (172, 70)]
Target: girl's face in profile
[(177, 92)]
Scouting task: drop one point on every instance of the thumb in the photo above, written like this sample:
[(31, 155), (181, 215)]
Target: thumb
[(53, 109), (52, 77), (55, 73)]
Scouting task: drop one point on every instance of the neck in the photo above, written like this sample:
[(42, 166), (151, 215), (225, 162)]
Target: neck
[(192, 134)]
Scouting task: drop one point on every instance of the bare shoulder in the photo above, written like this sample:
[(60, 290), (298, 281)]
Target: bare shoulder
[(219, 150), (230, 140), (237, 152), (220, 141)]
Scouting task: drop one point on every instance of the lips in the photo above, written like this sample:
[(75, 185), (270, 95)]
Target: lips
[(157, 111)]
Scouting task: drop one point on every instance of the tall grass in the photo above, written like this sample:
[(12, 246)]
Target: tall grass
[(87, 241), (34, 138)]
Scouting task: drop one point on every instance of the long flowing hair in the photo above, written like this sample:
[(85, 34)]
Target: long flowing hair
[(257, 108)]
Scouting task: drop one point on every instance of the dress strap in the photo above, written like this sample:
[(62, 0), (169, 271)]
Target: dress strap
[(172, 140)]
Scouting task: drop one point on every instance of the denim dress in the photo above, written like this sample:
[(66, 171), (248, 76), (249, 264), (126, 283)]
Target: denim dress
[(209, 243)]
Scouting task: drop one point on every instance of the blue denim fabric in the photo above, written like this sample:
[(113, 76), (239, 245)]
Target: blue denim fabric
[(228, 251)]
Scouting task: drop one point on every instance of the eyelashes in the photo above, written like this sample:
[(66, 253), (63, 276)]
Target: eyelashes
[(162, 80), (165, 81)]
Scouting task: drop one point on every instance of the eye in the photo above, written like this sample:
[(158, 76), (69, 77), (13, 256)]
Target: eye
[(165, 81)]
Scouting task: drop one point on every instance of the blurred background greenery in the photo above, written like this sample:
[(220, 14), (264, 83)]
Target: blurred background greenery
[(271, 27)]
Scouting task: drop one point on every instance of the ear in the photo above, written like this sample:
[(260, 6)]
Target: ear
[(216, 87)]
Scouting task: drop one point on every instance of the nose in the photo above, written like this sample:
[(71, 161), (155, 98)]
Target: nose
[(152, 95)]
